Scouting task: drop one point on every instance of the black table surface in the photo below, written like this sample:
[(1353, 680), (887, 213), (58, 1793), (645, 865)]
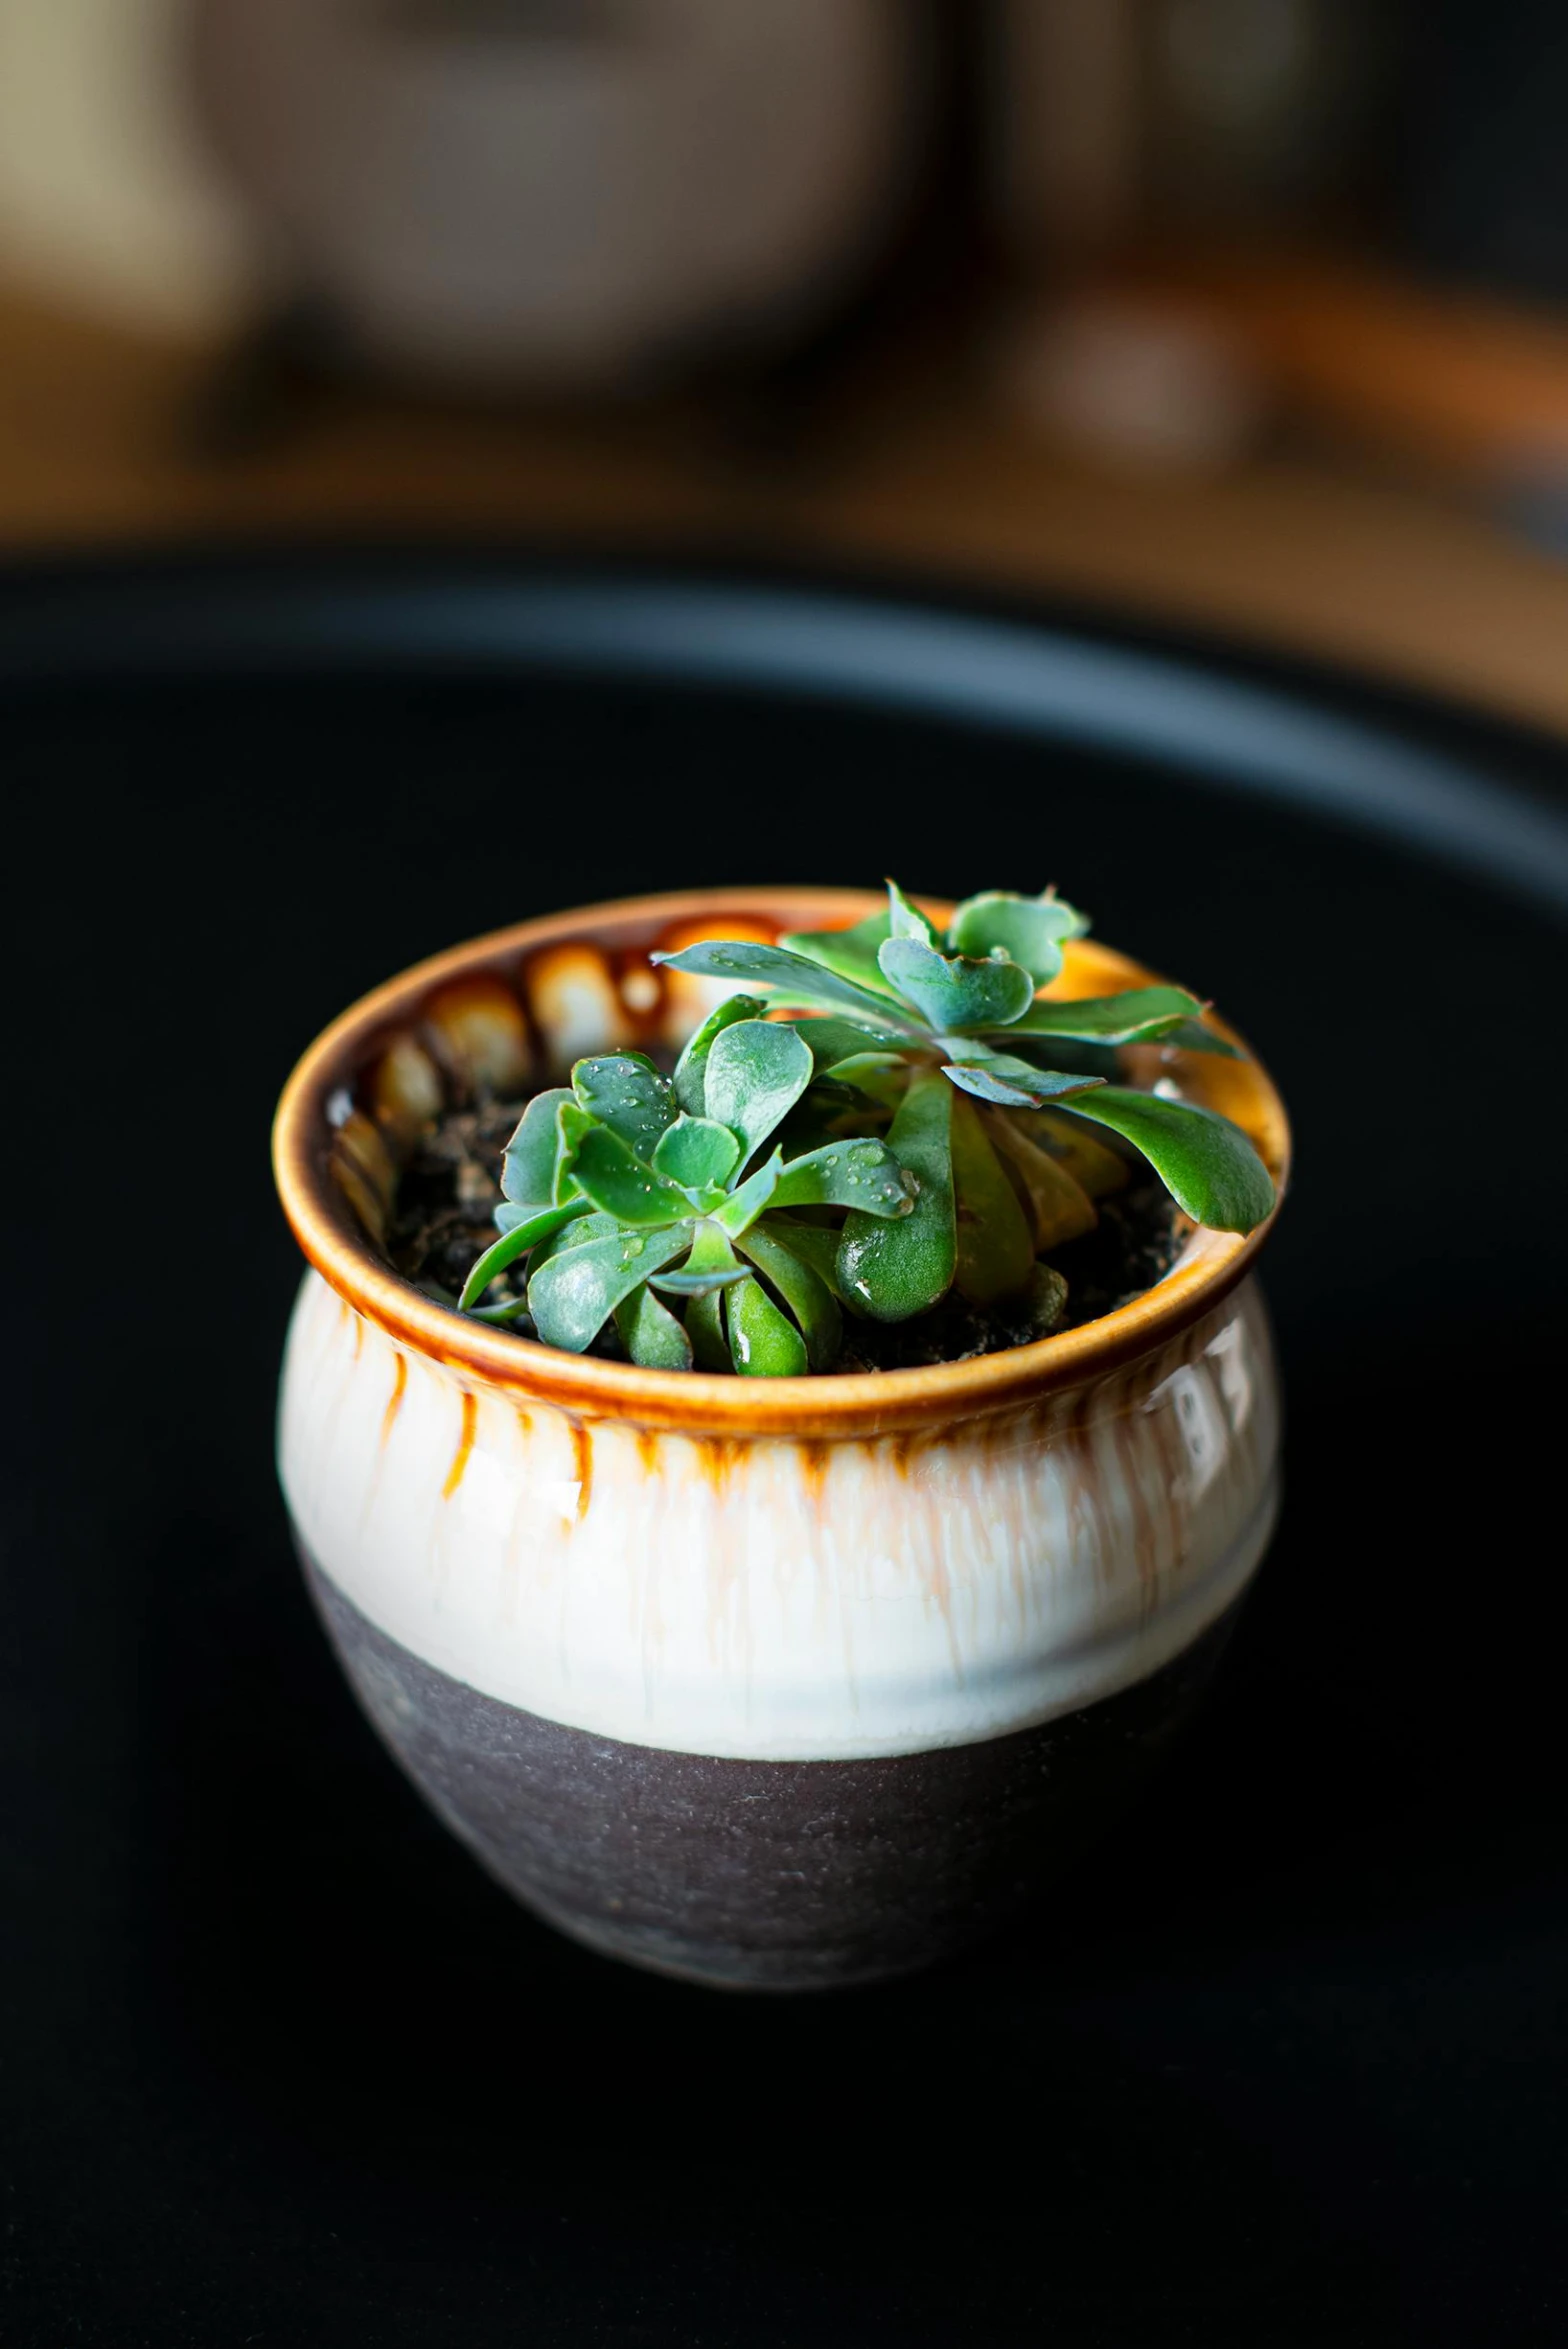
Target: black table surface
[(1284, 2061)]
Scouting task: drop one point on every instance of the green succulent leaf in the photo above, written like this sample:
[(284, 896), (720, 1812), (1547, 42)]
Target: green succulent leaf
[(850, 954), (1059, 1208), (749, 963), (1208, 1165), (858, 1174), (574, 1294), (881, 1076), (952, 993), (612, 1175), (816, 1245), (573, 1122), (1066, 1056), (1029, 930), (506, 1315), (1013, 1083), (543, 1224), (650, 1332), (1138, 1015), (1047, 1299), (757, 1071), (995, 1245), (764, 1343), (1098, 1167), (894, 1267), (711, 1253), (698, 1153), (744, 1204), (594, 1226), (528, 1165), (833, 1040), (624, 1092), (906, 920), (985, 1085), (686, 1283), (1193, 1036), (804, 1291), (693, 1061)]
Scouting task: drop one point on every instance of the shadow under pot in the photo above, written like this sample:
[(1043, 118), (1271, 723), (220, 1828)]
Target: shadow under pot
[(765, 1682)]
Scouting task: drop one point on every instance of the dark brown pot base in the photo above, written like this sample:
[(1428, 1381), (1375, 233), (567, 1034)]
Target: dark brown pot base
[(757, 1874)]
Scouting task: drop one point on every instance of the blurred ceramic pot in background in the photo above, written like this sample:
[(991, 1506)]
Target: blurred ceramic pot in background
[(565, 192), (773, 1682)]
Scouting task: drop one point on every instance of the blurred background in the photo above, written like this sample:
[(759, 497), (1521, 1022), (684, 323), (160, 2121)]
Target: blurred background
[(1249, 312)]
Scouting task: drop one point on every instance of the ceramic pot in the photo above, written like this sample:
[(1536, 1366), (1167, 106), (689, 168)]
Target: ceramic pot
[(772, 1682)]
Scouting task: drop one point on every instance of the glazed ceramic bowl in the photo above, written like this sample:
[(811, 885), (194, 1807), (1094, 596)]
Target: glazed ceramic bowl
[(772, 1682)]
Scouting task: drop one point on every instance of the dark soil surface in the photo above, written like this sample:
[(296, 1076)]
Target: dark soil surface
[(449, 1193), (452, 1186)]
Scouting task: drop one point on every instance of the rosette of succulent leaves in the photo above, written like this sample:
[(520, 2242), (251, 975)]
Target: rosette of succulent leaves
[(668, 1205), (913, 1117)]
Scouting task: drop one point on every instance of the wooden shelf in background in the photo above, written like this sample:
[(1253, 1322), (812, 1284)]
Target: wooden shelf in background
[(1442, 375), (1387, 576)]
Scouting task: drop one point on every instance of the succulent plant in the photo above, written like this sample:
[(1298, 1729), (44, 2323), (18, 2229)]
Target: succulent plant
[(946, 1045), (656, 1202), (921, 1141)]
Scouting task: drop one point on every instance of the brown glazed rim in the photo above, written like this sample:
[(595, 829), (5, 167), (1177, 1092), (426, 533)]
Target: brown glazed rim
[(860, 1404)]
